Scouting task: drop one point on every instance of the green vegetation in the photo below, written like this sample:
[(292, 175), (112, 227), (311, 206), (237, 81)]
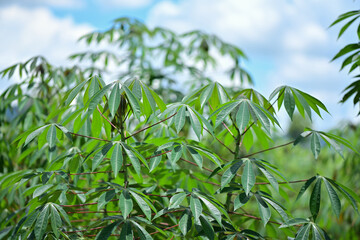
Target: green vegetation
[(111, 149)]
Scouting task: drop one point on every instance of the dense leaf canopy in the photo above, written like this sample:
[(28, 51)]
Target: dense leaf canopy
[(112, 148)]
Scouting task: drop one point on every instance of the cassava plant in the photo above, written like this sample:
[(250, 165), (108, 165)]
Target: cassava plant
[(111, 149)]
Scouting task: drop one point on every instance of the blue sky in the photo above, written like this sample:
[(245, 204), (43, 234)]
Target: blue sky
[(287, 41)]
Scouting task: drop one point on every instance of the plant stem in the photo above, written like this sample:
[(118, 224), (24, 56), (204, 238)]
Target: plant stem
[(268, 149), (123, 104), (253, 217), (108, 120), (236, 155), (232, 152), (143, 129), (80, 135)]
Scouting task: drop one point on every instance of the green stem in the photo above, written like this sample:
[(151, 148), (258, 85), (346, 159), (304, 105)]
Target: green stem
[(122, 119), (236, 155)]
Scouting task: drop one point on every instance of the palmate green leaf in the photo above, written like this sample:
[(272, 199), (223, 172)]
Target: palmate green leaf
[(105, 198), (222, 94), (32, 217), (72, 94), (154, 162), (133, 158), (192, 95), (5, 231), (142, 204), (269, 176), (206, 94), (212, 156), (257, 112), (230, 237), (63, 213), (317, 235), (224, 111), (56, 222), (177, 199), (136, 88), (347, 193), (106, 232), (241, 200), (114, 99), (334, 198), (33, 134), (195, 206), (205, 122), (255, 97), (289, 102), (214, 211), (207, 227), (100, 155), (248, 177), (148, 97), (344, 16), (243, 116), (350, 60), (144, 235), (339, 140), (125, 203), (230, 173), (333, 144), (217, 97), (293, 222), (40, 190), (144, 198), (138, 155), (301, 104), (305, 186), (176, 153), (304, 232), (42, 222), (51, 136), (94, 100), (264, 209), (65, 131), (195, 122), (126, 231), (315, 199), (315, 144), (250, 234), (277, 207), (134, 102), (292, 97), (146, 108), (160, 103), (185, 222), (116, 159), (347, 49), (196, 156), (180, 119), (94, 86)]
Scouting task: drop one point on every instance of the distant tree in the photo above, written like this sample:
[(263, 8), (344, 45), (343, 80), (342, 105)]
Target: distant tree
[(297, 126)]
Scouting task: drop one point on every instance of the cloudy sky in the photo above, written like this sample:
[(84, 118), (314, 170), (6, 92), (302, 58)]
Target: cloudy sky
[(287, 41)]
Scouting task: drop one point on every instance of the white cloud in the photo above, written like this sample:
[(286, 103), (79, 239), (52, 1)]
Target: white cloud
[(308, 35), (291, 35), (124, 3), (52, 3), (29, 32), (229, 18)]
